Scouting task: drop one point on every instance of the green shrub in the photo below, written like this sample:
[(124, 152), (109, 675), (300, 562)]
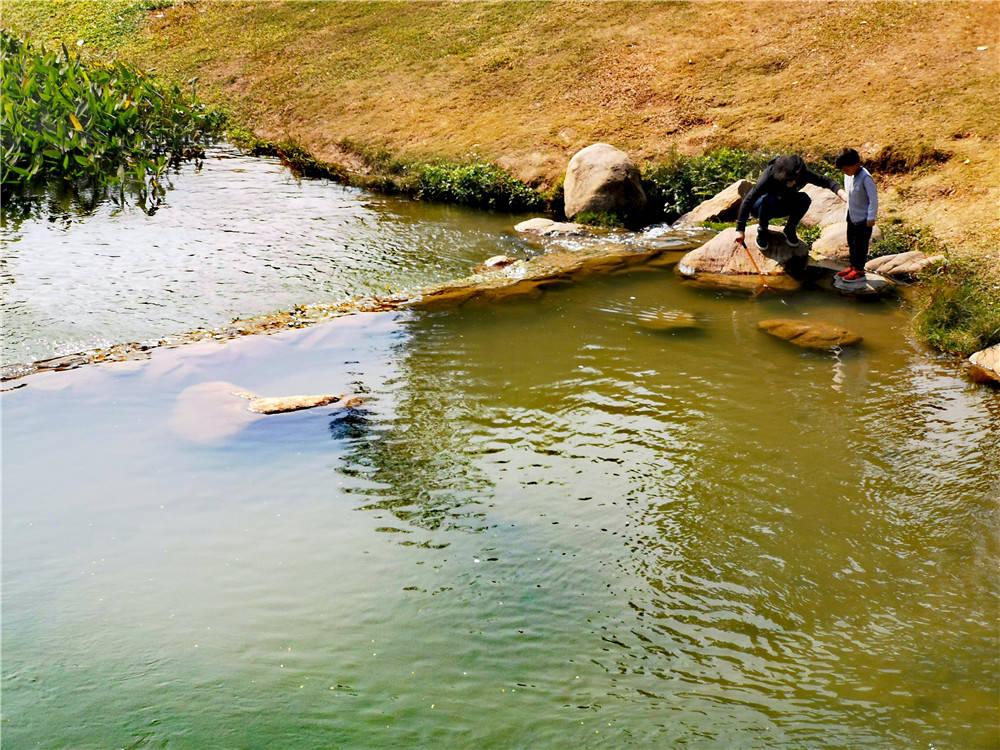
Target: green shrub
[(809, 234), (477, 184), (682, 182), (958, 305), (91, 124), (600, 219)]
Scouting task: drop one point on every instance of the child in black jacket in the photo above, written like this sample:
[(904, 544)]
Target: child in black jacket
[(778, 193)]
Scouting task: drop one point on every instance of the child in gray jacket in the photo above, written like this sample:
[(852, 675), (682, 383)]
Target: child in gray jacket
[(862, 207)]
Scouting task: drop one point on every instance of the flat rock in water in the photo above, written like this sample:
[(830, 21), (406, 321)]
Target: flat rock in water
[(870, 285), (494, 264), (809, 335), (666, 320), (723, 263), (209, 412), (984, 365), (548, 228), (281, 404)]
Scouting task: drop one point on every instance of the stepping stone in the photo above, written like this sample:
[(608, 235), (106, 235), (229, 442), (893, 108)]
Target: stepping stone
[(809, 335), (872, 285)]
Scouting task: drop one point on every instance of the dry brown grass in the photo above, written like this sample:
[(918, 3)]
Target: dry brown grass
[(527, 84)]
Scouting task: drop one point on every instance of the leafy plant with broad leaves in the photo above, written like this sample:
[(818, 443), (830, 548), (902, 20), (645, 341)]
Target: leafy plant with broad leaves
[(91, 123)]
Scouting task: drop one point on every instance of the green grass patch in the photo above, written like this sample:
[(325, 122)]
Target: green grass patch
[(607, 219), (91, 124), (105, 26), (958, 305), (809, 234), (476, 184), (900, 237)]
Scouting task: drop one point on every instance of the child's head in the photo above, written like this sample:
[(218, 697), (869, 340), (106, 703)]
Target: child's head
[(849, 161), (788, 168)]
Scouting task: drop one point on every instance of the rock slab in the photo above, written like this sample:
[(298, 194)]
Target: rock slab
[(832, 243), (826, 207), (724, 260), (602, 179), (723, 207), (809, 335), (985, 365), (902, 265)]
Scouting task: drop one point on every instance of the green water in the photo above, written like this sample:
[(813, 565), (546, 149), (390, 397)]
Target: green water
[(548, 527)]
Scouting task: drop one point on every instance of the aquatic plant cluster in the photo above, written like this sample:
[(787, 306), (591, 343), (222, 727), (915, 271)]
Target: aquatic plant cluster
[(92, 123)]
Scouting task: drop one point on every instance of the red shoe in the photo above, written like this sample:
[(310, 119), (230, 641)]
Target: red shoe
[(844, 273), (853, 274)]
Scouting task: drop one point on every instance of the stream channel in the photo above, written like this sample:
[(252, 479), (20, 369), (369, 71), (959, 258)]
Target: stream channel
[(546, 527)]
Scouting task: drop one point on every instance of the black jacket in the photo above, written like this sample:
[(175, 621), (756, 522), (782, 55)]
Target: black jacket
[(769, 185)]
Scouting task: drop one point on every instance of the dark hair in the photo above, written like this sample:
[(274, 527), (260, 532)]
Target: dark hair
[(788, 167), (848, 158)]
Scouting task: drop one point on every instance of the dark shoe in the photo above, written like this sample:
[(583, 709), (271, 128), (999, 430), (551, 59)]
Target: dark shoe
[(761, 240), (792, 238)]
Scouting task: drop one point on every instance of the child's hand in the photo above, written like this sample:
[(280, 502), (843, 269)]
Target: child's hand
[(871, 223), (740, 238), (842, 195)]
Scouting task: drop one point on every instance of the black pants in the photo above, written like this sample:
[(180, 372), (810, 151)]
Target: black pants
[(769, 206), (858, 237)]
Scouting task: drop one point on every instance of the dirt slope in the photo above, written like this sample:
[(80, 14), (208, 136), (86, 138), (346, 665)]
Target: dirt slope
[(527, 84)]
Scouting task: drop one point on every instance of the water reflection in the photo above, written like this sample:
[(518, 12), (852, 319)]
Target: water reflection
[(774, 534)]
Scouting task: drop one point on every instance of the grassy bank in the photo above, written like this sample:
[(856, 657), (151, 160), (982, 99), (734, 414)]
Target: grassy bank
[(376, 90)]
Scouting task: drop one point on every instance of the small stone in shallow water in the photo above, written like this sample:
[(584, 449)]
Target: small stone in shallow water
[(809, 335), (666, 320)]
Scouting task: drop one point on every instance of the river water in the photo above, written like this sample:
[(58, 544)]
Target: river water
[(547, 526)]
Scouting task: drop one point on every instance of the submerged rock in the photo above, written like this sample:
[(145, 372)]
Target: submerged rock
[(282, 404), (666, 320), (902, 265), (722, 207), (984, 366), (208, 412), (495, 263), (723, 263), (832, 242), (602, 179), (809, 335)]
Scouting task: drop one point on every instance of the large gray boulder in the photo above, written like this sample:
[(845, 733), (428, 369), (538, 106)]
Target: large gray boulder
[(826, 207), (832, 242), (723, 263), (602, 179), (902, 265), (723, 207)]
